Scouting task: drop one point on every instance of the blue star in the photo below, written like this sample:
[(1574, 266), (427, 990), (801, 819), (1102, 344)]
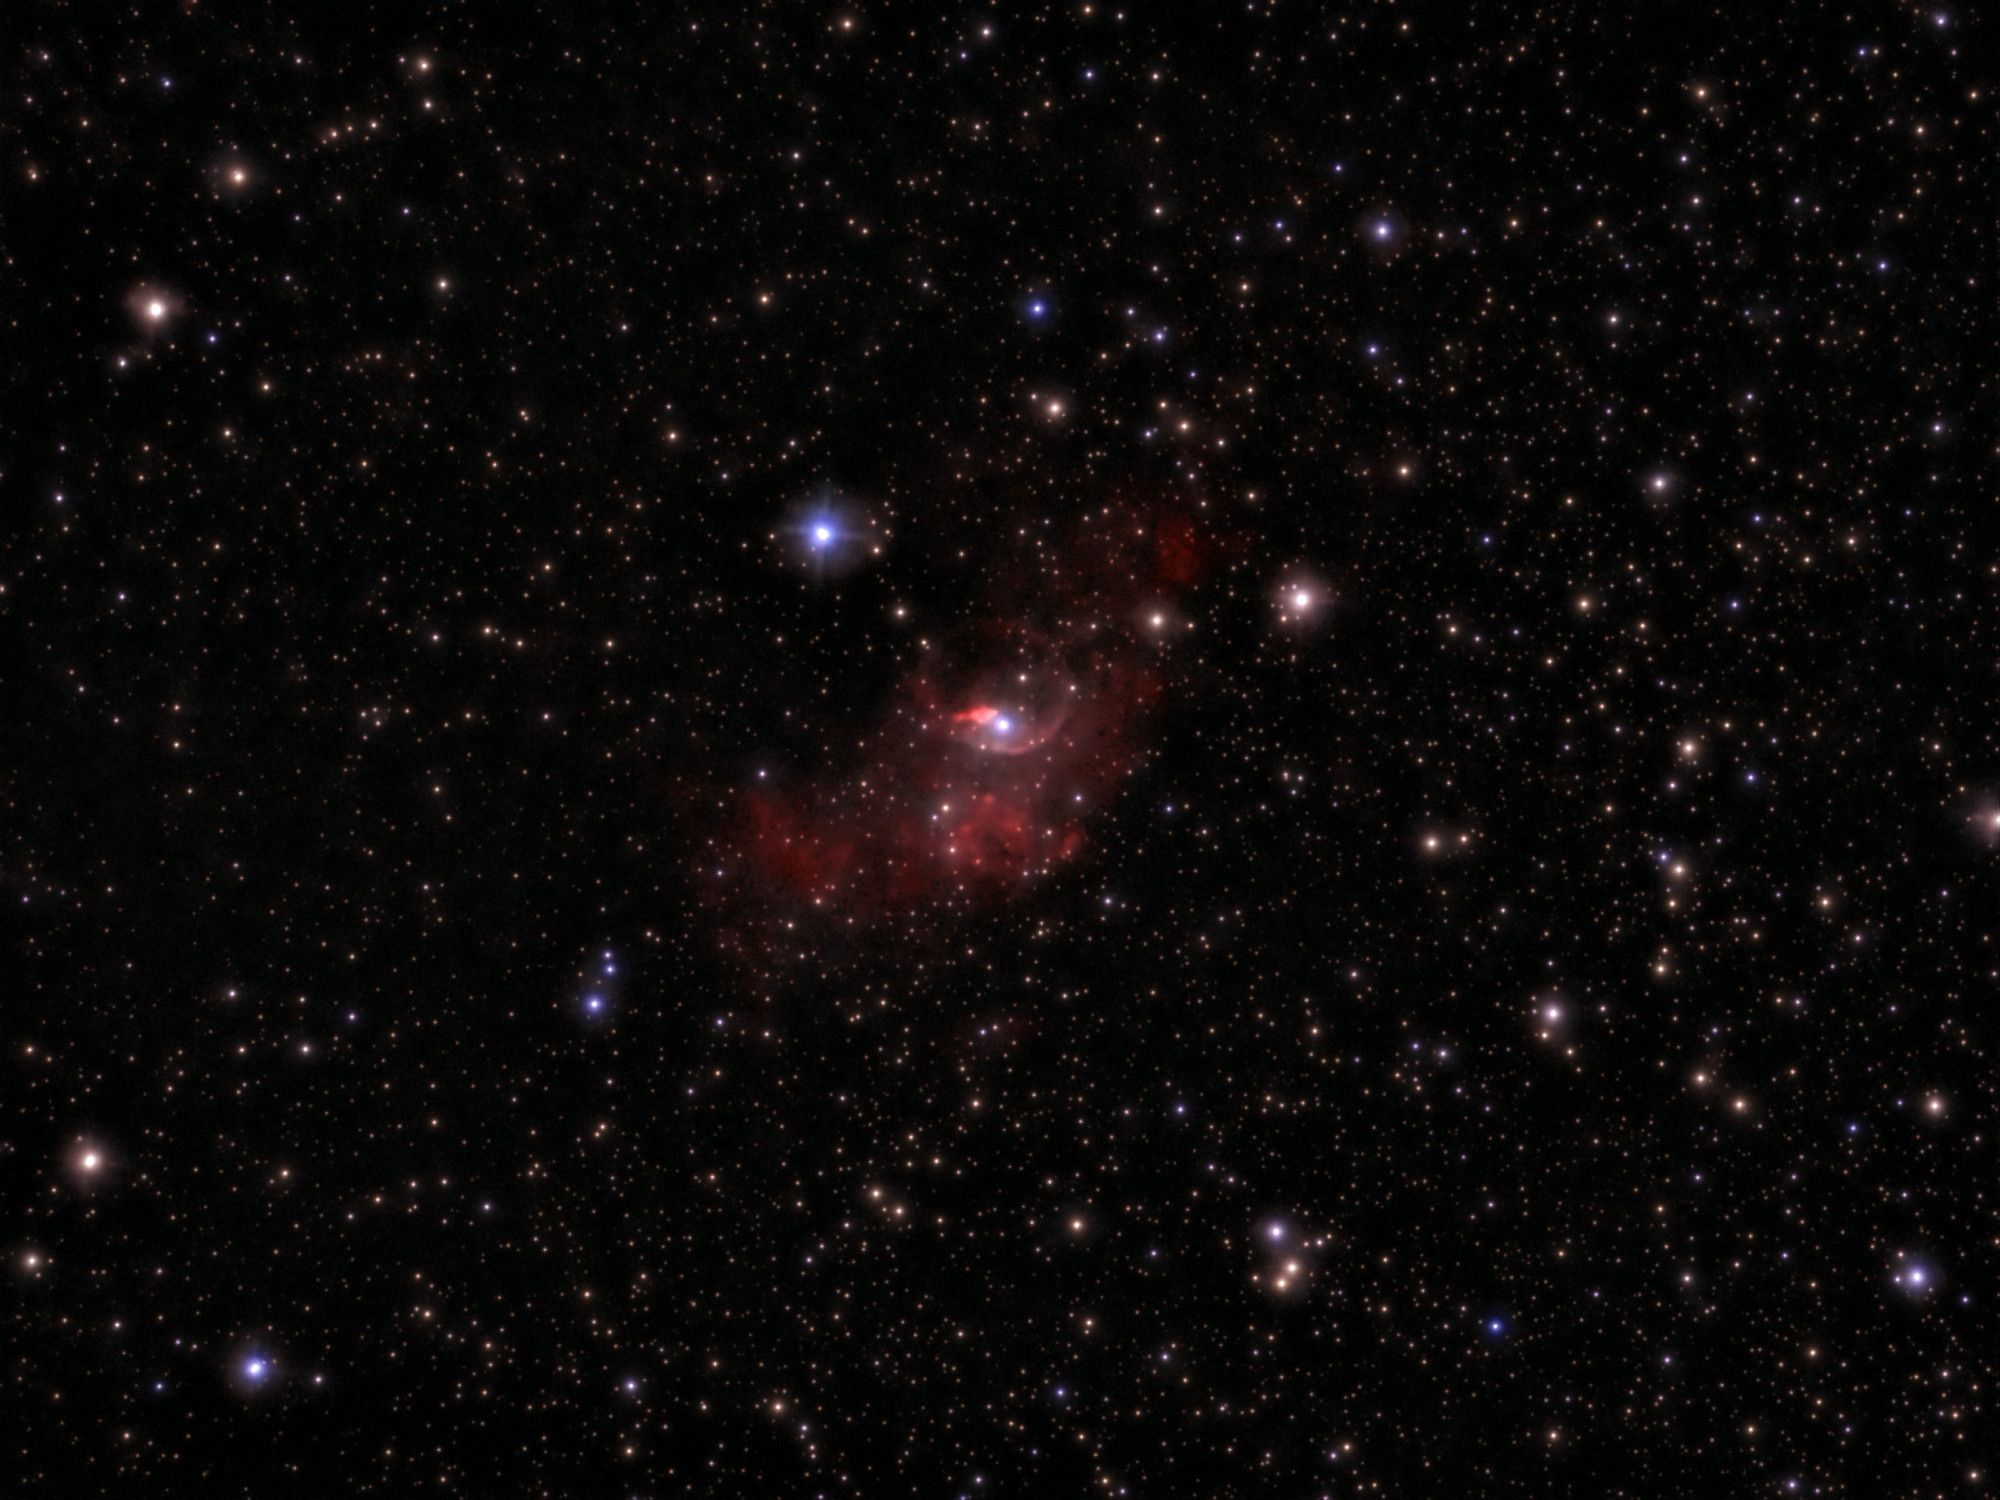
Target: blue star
[(829, 536)]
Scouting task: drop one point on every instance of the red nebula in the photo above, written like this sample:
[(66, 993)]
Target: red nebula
[(1179, 557), (976, 782), (998, 731)]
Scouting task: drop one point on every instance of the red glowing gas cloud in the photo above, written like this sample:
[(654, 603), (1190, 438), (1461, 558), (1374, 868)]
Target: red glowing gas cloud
[(986, 765)]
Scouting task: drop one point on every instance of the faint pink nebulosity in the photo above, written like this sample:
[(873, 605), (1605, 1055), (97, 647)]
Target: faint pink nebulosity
[(988, 764)]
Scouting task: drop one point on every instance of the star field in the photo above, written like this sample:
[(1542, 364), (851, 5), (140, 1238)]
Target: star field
[(1067, 750)]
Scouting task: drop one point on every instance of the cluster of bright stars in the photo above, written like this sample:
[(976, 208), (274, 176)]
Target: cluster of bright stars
[(1437, 843), (1289, 1261), (595, 1002)]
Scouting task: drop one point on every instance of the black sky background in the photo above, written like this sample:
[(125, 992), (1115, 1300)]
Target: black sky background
[(393, 626)]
